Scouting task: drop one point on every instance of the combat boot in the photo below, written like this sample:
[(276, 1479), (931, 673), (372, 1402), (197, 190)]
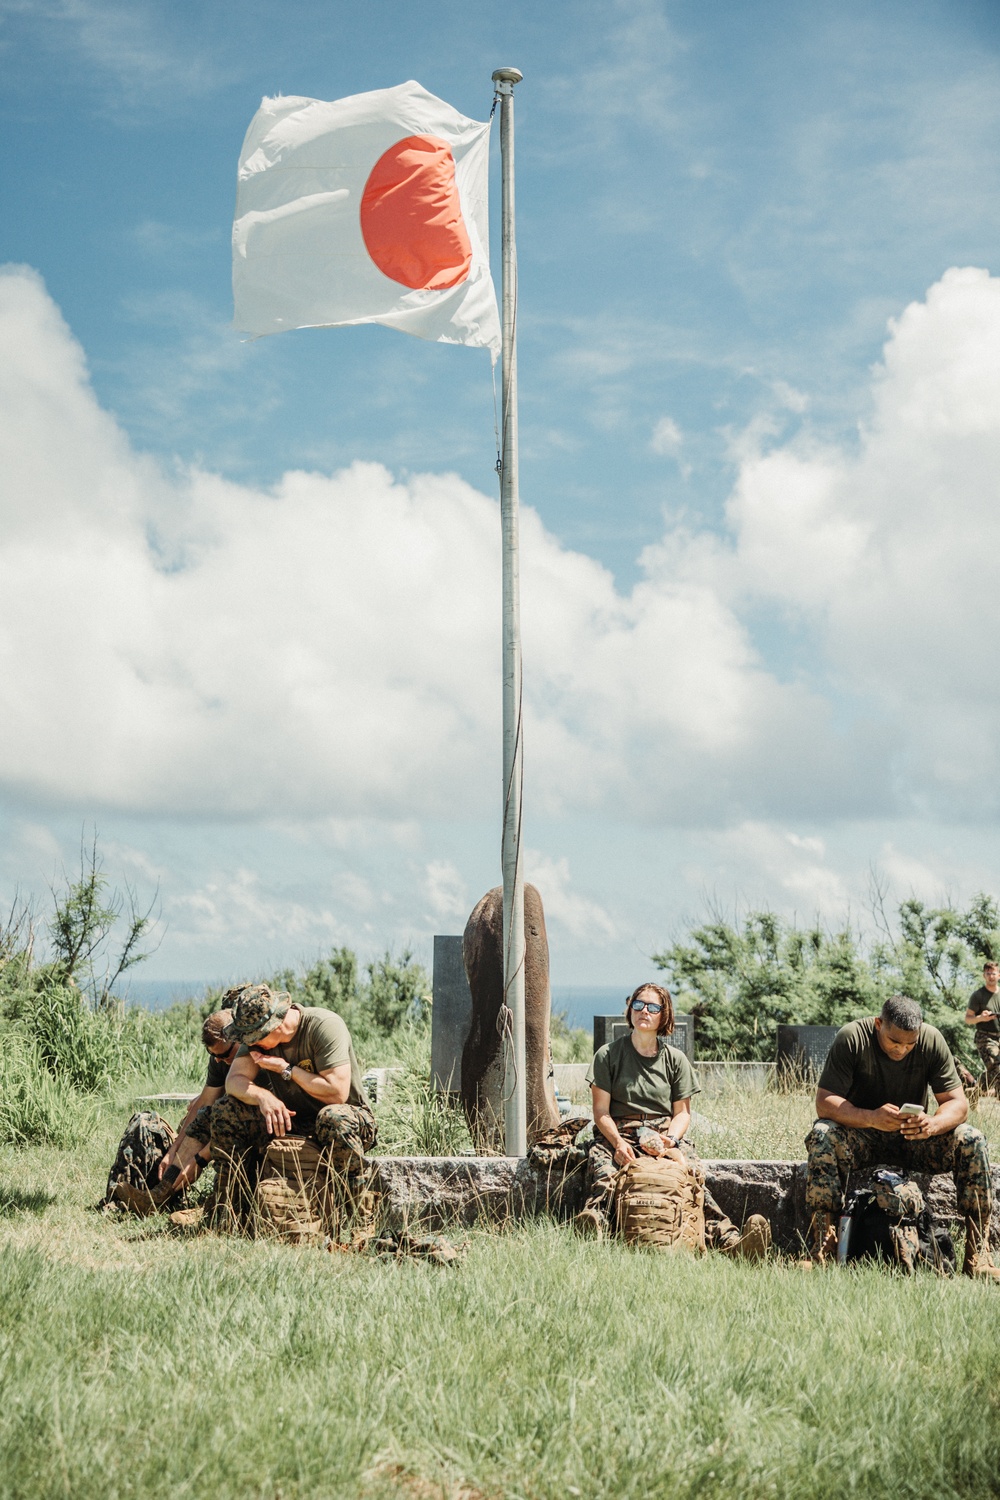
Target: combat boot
[(978, 1262), (822, 1242), (144, 1201), (753, 1243)]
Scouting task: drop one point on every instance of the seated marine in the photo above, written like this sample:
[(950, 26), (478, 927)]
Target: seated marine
[(295, 1071), (642, 1089), (871, 1103), (188, 1155)]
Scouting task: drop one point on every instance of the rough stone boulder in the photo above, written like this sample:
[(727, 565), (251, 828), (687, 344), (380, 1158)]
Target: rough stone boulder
[(436, 1191)]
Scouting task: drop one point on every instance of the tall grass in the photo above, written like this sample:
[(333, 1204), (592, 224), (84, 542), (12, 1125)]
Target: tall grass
[(35, 1106), (544, 1367)]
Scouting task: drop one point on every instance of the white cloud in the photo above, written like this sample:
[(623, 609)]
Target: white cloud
[(578, 916), (667, 437), (328, 649), (445, 890), (764, 865)]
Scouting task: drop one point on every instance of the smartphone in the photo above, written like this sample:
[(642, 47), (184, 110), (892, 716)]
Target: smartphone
[(911, 1109)]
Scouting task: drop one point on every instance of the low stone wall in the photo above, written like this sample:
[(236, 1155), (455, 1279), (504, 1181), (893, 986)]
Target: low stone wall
[(437, 1191)]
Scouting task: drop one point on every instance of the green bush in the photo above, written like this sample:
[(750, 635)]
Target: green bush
[(740, 982)]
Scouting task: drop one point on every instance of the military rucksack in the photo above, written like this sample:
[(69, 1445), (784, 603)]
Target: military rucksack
[(292, 1189), (660, 1201), (145, 1142), (887, 1219)]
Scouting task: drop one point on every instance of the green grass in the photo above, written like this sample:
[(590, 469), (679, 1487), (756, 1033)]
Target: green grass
[(135, 1364)]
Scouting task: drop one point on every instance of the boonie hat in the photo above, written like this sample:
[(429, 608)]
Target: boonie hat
[(257, 1011)]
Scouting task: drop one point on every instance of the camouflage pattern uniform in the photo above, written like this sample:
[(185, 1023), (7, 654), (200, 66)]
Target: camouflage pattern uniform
[(602, 1171), (238, 1129), (200, 1128), (835, 1151), (988, 1048)]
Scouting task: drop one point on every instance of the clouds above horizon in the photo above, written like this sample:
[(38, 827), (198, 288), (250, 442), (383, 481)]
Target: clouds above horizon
[(176, 643)]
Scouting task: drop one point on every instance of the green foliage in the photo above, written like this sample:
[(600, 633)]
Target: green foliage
[(569, 1044), (741, 982), (395, 994), (85, 917)]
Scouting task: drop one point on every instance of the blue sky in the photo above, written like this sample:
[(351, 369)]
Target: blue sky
[(759, 353)]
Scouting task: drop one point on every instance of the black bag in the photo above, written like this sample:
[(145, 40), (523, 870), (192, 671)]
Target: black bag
[(877, 1230), (140, 1150)]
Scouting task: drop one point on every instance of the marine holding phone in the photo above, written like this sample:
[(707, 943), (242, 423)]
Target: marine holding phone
[(877, 1070)]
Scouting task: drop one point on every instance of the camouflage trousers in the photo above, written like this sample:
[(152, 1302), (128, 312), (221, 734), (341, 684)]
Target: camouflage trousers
[(601, 1174), (835, 1151), (239, 1133), (989, 1055), (200, 1128)]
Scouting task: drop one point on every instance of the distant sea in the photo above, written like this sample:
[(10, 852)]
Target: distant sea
[(580, 1002), (158, 994)]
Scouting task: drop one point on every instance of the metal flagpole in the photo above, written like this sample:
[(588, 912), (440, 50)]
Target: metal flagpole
[(515, 1083)]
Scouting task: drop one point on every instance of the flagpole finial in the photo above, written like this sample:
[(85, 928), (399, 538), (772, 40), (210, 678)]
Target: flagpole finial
[(508, 75)]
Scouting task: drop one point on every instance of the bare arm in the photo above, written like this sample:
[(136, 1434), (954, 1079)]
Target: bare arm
[(835, 1107), (207, 1096), (953, 1109), (606, 1125), (976, 1018), (332, 1086), (681, 1122), (240, 1084)]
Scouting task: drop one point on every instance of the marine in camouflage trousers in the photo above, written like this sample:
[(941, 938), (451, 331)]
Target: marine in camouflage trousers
[(602, 1171), (988, 1048), (835, 1151), (238, 1131)]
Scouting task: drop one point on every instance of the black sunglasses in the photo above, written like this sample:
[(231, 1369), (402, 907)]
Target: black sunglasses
[(652, 1006)]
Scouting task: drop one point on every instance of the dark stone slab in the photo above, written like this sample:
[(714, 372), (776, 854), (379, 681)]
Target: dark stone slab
[(451, 1015), (439, 1190)]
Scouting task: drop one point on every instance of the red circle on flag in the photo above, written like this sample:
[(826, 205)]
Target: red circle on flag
[(411, 216)]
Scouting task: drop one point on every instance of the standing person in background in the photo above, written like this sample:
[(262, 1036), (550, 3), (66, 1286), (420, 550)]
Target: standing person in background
[(984, 1014), (642, 1090)]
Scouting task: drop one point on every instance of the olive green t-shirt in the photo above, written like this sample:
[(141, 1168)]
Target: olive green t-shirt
[(321, 1042), (859, 1071), (218, 1072), (642, 1085), (983, 1000)]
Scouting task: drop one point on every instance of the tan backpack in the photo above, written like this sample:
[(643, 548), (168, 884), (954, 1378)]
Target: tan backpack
[(293, 1189), (661, 1202)]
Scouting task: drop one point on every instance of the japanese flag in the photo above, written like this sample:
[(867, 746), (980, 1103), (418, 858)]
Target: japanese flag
[(371, 209)]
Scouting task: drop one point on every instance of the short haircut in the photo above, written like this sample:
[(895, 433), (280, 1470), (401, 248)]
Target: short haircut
[(212, 1027), (902, 1012), (990, 963), (663, 996)]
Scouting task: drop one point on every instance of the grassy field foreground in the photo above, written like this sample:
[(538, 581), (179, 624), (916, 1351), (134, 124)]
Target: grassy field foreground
[(136, 1364)]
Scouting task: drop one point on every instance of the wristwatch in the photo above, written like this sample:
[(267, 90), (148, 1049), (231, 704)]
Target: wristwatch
[(671, 1142), (286, 1076)]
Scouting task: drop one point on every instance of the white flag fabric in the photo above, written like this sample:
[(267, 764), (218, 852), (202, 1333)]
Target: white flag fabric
[(371, 209)]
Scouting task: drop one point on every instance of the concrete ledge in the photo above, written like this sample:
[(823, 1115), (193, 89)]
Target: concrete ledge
[(440, 1190)]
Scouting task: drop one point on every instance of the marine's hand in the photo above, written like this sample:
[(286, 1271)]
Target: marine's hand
[(269, 1061), (887, 1118), (624, 1154), (277, 1116), (916, 1127)]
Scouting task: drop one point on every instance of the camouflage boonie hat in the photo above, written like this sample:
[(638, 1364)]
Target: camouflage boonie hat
[(256, 1012)]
